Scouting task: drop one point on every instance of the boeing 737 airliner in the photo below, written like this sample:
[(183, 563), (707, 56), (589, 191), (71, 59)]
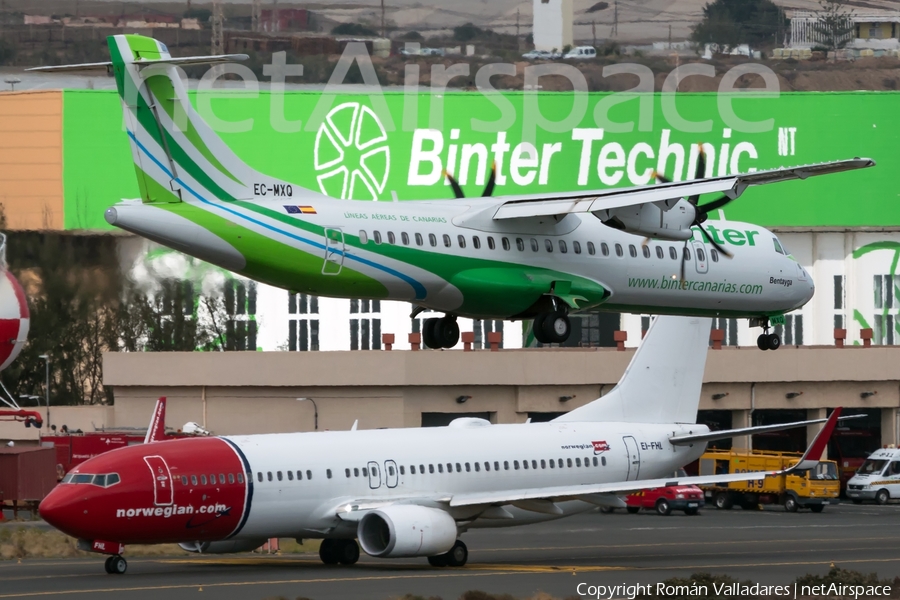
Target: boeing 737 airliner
[(405, 492)]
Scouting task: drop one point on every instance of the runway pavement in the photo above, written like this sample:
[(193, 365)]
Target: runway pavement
[(769, 546)]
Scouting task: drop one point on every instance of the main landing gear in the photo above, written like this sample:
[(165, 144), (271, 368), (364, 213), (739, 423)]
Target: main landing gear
[(440, 333), (552, 327), (116, 565), (766, 340), (345, 552), (457, 556)]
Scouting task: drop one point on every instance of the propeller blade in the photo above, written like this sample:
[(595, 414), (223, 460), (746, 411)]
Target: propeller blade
[(457, 191), (660, 178), (714, 205), (489, 188), (699, 173), (715, 244)]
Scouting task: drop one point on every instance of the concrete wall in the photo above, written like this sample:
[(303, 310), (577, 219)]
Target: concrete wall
[(552, 24)]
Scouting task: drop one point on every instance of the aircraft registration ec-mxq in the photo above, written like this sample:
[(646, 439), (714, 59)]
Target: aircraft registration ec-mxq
[(639, 249), (406, 492)]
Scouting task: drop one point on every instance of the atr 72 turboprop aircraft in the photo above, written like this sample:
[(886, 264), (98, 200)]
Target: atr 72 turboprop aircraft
[(640, 250), (406, 492)]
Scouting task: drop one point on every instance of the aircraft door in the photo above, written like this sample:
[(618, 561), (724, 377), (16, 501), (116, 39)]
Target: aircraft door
[(374, 475), (701, 256), (634, 458), (334, 251), (162, 480), (391, 475)]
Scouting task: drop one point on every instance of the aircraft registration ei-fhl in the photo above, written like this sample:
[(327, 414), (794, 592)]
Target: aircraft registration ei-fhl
[(406, 492), (639, 250)]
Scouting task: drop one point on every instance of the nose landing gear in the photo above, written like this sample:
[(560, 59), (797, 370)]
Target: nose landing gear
[(440, 333), (116, 565), (766, 340)]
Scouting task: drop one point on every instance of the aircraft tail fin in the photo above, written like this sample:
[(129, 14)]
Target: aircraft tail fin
[(156, 432), (662, 382)]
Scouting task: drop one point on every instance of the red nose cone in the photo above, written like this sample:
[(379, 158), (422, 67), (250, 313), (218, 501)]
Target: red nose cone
[(60, 509)]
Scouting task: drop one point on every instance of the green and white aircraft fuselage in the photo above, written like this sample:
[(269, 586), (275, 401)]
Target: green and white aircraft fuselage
[(513, 257)]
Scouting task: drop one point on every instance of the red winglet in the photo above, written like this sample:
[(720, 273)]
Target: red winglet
[(814, 453), (157, 430)]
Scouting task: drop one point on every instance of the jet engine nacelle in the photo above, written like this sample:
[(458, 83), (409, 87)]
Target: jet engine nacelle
[(649, 220), (224, 547), (406, 530)]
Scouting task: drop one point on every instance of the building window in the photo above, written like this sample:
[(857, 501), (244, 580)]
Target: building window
[(730, 326), (839, 301), (240, 306), (886, 292), (792, 331), (365, 332), (483, 328), (303, 322)]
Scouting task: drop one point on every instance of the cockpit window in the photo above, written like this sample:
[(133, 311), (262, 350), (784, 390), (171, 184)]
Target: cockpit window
[(778, 247), (104, 480), (82, 478)]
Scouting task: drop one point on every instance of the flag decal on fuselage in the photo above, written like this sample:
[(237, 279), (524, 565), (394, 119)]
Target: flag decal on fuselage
[(300, 210)]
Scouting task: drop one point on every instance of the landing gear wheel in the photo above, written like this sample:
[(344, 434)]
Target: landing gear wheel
[(328, 552), (428, 335), (790, 504), (537, 327), (116, 565), (458, 555), (762, 342), (556, 327), (817, 508), (773, 341), (723, 501), (882, 497), (692, 511), (663, 507), (633, 509), (347, 552), (446, 332), (438, 561)]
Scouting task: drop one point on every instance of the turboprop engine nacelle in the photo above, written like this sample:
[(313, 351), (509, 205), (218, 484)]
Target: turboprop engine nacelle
[(406, 530), (654, 220), (224, 547)]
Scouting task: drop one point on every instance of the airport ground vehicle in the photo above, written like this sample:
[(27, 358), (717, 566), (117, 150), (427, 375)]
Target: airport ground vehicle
[(811, 489), (664, 500), (581, 53), (878, 478)]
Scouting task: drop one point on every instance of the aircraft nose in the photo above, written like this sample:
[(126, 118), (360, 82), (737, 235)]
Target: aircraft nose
[(60, 509)]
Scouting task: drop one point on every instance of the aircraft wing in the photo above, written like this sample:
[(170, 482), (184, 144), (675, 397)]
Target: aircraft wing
[(560, 493), (722, 434), (538, 205), (178, 62)]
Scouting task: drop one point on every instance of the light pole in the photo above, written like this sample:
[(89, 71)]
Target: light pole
[(47, 384), (12, 81), (315, 411)]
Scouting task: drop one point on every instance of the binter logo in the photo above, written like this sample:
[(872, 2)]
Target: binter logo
[(351, 155)]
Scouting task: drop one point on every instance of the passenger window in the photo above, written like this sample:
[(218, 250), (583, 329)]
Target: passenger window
[(701, 255), (328, 473), (299, 475), (562, 246), (714, 254), (308, 474), (604, 249), (221, 479), (462, 241), (422, 469), (549, 245), (569, 462), (419, 240), (405, 238), (347, 473), (447, 242), (490, 243), (487, 466), (506, 465), (440, 468), (231, 477), (520, 244), (672, 253), (603, 460), (203, 480), (412, 469), (431, 468), (595, 461), (587, 461), (516, 465), (184, 480), (402, 470), (543, 464), (476, 242), (534, 464), (363, 237), (659, 252), (240, 478), (391, 470), (377, 236), (194, 479), (290, 475), (619, 251), (591, 250), (632, 250), (578, 461), (458, 468), (268, 476), (534, 245), (646, 251), (477, 467), (356, 471), (525, 464), (467, 468), (391, 238), (365, 472), (687, 254), (576, 247), (432, 239), (552, 464), (449, 467), (505, 243)]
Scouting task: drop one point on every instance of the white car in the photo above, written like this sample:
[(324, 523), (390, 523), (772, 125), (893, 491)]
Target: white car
[(878, 478), (581, 53), (537, 55)]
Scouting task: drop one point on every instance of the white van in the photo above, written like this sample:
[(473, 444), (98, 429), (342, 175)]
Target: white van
[(878, 478), (581, 53)]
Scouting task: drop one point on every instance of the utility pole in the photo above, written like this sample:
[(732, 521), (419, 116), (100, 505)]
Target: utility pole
[(594, 31), (218, 22), (518, 40), (382, 20), (255, 13), (670, 36), (615, 27)]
